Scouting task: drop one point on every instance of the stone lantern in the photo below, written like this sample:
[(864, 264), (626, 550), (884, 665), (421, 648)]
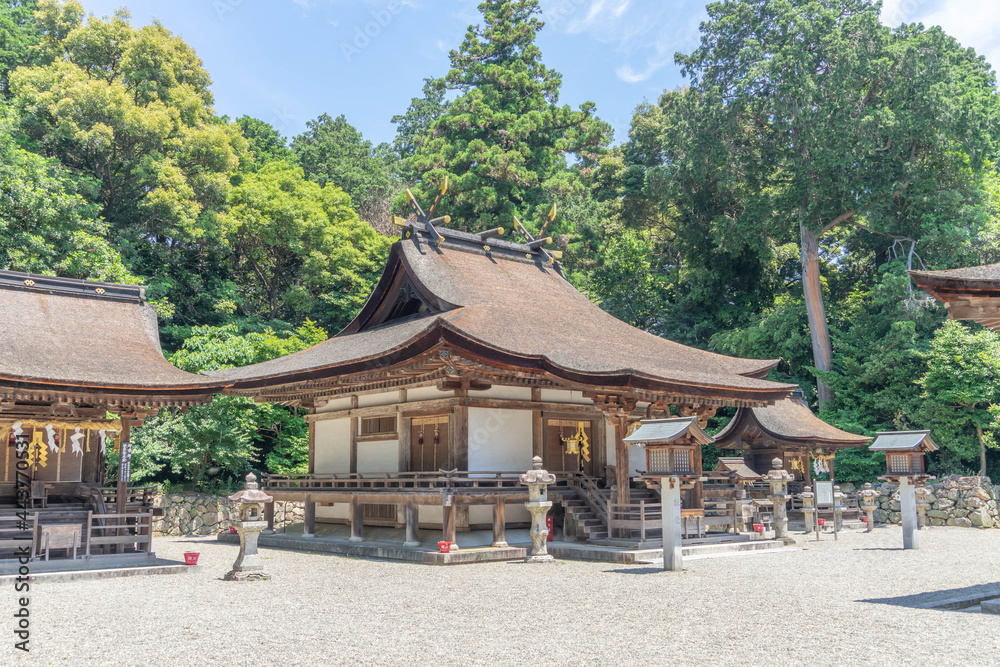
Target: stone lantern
[(808, 508), (537, 481), (904, 462), (838, 510), (779, 478), (251, 511), (869, 503)]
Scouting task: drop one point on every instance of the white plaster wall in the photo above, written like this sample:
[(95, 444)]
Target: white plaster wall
[(483, 514), (333, 445), (430, 514), (563, 396), (509, 393), (339, 511), (379, 456), (499, 439), (609, 441), (637, 460), (336, 404), (426, 394), (386, 398)]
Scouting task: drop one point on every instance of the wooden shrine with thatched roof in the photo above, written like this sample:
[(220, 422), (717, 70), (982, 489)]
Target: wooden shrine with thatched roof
[(80, 365), (473, 355)]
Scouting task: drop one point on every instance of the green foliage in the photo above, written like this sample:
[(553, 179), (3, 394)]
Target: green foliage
[(264, 143), (413, 127), (18, 38), (962, 392), (299, 249), (503, 143), (333, 152), (232, 433)]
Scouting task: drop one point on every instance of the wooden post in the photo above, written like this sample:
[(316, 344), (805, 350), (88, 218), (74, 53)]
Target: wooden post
[(403, 428), (448, 522), (412, 525), (622, 478), (269, 514), (499, 523), (312, 448), (354, 437), (537, 427), (309, 530), (670, 491), (459, 427), (357, 520)]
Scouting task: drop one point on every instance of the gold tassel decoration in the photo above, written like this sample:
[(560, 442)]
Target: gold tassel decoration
[(581, 433), (38, 452)]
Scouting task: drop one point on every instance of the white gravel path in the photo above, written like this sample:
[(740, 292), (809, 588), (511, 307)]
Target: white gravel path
[(803, 607)]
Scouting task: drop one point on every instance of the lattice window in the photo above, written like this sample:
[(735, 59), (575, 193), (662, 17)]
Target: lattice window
[(378, 426), (899, 463), (682, 460), (659, 460)]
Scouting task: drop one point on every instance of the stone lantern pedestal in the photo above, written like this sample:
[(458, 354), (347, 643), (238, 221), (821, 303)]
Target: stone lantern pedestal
[(809, 508), (869, 503), (838, 510), (537, 481), (778, 478), (252, 500)]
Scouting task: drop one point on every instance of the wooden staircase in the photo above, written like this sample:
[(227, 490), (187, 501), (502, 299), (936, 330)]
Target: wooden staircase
[(584, 519)]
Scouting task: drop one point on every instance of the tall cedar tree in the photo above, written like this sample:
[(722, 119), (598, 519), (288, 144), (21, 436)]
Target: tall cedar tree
[(504, 141), (849, 122)]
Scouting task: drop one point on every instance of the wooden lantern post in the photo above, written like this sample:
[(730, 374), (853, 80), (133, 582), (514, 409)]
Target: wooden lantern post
[(905, 465), (673, 465)]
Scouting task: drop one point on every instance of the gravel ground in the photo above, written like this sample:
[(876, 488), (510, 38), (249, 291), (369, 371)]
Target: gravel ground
[(802, 607)]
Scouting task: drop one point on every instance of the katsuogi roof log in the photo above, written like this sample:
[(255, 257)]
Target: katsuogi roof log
[(63, 339), (512, 306)]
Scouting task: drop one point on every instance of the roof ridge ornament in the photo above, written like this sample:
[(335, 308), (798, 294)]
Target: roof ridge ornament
[(426, 219), (536, 244)]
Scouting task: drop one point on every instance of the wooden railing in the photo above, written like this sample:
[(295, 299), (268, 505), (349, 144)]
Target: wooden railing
[(641, 516), (587, 490), (118, 531), (391, 481), (135, 495)]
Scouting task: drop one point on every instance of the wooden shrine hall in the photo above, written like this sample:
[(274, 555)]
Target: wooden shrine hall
[(969, 294), (472, 355), (80, 365), (790, 431)]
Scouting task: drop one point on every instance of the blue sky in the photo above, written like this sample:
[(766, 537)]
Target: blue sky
[(288, 61)]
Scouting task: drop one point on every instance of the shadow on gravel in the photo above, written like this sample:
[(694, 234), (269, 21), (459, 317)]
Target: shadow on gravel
[(635, 570), (953, 599)]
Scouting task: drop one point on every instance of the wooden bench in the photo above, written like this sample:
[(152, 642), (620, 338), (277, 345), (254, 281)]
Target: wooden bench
[(58, 536), (692, 516)]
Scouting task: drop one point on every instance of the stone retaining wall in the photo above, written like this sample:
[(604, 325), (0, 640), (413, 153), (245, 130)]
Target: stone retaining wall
[(956, 501), (206, 514)]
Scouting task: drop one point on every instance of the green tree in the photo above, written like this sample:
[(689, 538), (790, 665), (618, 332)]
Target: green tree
[(503, 143), (47, 224), (18, 38), (299, 249), (264, 143), (333, 151), (232, 433), (413, 126), (838, 120), (962, 391), (131, 109)]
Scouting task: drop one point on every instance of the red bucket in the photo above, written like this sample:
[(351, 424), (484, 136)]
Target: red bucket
[(191, 557), (758, 527), (822, 522), (232, 531), (444, 547), (865, 519), (550, 525)]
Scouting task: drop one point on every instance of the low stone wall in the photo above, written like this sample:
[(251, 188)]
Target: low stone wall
[(206, 514), (956, 501)]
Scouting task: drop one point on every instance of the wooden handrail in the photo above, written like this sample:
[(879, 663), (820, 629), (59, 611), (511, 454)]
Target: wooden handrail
[(490, 479)]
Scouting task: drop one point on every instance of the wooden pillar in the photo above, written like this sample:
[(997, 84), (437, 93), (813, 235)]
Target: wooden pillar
[(537, 427), (309, 530), (269, 515), (599, 447), (312, 448), (412, 525), (448, 522), (622, 477), (357, 520), (403, 428), (499, 523), (459, 427), (354, 437)]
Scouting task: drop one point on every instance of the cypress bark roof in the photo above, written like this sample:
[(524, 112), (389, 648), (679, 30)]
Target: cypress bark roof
[(66, 335), (971, 293), (507, 305), (790, 422)]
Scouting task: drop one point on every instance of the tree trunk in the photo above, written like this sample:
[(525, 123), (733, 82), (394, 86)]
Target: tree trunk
[(982, 450), (813, 288)]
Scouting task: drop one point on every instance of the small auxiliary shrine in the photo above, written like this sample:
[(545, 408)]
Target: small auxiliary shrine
[(904, 453), (673, 449)]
